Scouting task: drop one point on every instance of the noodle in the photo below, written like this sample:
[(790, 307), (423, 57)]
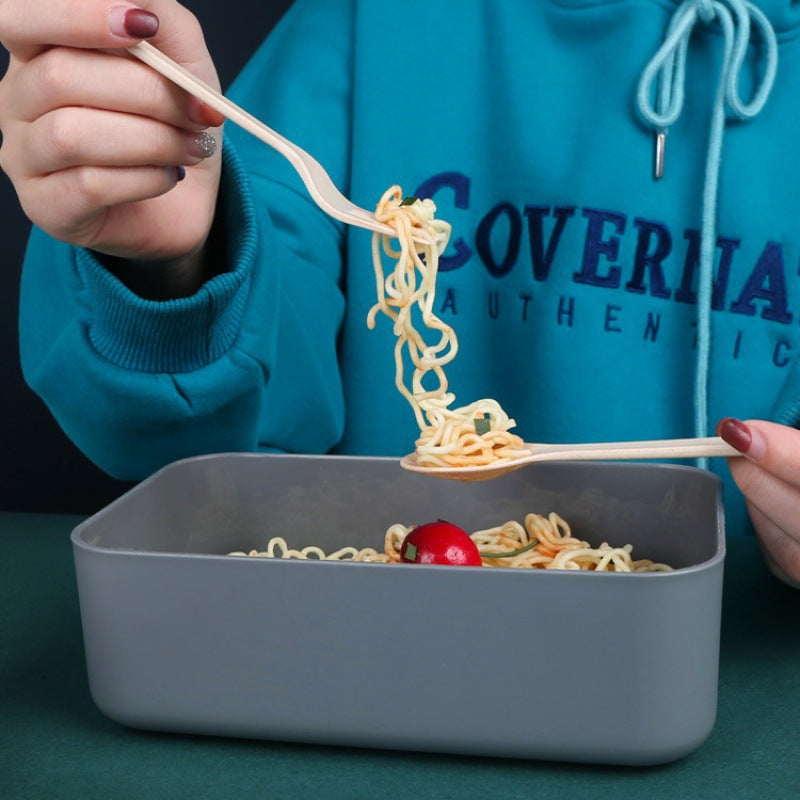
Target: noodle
[(547, 542), (278, 548), (475, 434)]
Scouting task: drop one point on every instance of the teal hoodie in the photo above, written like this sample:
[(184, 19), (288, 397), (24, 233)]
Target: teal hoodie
[(573, 277)]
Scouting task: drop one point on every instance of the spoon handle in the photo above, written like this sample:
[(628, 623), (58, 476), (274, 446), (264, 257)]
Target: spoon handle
[(654, 448)]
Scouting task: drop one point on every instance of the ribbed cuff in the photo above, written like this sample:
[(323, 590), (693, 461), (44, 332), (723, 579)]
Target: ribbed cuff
[(187, 333)]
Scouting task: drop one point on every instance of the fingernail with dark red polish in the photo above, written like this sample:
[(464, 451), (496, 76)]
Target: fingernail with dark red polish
[(735, 433), (133, 23), (141, 24)]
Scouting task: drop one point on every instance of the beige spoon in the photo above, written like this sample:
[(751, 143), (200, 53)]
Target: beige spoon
[(599, 451)]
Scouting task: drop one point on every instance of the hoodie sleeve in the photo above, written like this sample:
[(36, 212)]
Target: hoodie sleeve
[(249, 362)]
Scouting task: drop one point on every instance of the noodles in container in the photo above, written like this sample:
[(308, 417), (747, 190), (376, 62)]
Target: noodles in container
[(538, 543)]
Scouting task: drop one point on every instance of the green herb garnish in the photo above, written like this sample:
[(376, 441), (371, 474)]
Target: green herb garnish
[(411, 552), (409, 201), (483, 424), (511, 553)]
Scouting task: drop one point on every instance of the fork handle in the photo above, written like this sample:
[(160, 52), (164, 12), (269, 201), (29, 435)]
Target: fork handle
[(308, 168), (181, 76)]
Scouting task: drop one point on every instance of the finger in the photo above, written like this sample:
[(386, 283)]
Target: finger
[(26, 29), (71, 137), (781, 551), (776, 499), (82, 202), (68, 77), (775, 448), (75, 200), (96, 207)]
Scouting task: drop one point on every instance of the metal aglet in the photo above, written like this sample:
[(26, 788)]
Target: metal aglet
[(661, 143)]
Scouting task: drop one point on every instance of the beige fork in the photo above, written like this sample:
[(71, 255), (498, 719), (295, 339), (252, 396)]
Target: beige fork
[(317, 181)]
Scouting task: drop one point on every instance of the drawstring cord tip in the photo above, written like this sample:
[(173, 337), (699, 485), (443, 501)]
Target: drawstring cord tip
[(661, 143)]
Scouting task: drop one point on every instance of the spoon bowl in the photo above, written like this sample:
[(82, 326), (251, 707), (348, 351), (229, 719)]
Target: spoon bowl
[(705, 447)]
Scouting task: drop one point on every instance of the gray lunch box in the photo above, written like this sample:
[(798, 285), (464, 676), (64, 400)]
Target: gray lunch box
[(578, 666)]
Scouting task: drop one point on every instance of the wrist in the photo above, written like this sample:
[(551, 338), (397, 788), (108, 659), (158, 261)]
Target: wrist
[(172, 278), (166, 279)]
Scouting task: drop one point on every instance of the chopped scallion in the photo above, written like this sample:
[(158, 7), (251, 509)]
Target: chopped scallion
[(512, 553), (483, 425), (408, 201)]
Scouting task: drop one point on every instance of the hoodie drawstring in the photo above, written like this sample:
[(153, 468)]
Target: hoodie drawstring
[(668, 67)]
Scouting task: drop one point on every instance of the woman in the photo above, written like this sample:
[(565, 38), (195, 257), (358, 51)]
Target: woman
[(182, 294)]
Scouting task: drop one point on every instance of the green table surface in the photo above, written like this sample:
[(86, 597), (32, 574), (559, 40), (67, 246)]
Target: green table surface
[(54, 743)]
